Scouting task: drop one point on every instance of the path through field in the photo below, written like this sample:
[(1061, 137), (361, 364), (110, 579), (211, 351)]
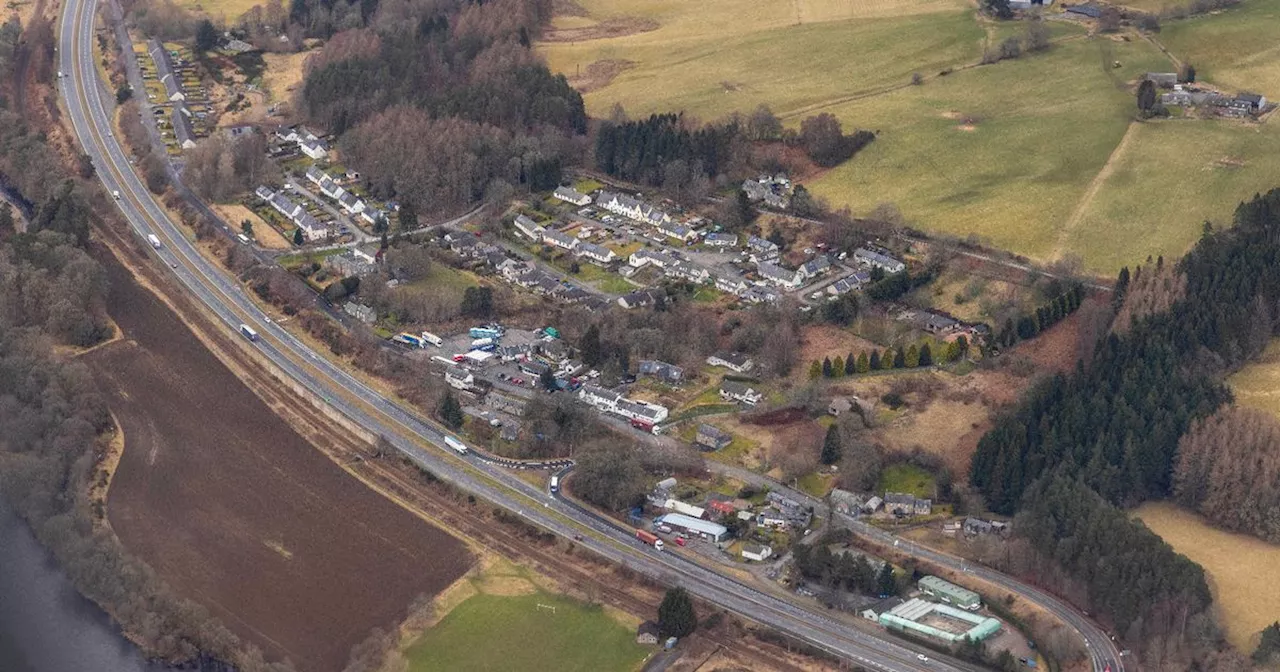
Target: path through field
[(1064, 233)]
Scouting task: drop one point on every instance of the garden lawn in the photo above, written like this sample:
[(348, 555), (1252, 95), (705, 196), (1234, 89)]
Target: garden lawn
[(493, 632), (907, 478)]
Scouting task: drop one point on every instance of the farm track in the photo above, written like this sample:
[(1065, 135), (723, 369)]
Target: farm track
[(1095, 185)]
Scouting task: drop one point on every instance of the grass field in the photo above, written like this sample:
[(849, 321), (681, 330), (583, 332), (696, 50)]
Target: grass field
[(503, 632), (1236, 48), (1005, 151), (907, 478), (228, 10), (1258, 384), (716, 57), (1242, 570)]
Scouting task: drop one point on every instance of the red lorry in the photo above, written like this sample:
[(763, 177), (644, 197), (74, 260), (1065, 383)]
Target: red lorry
[(649, 538)]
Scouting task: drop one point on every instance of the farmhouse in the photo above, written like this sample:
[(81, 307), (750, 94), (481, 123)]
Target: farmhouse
[(900, 504), (668, 373), (877, 260), (571, 195), (732, 390), (360, 311), (693, 526), (528, 228), (597, 253), (734, 361), (559, 239), (778, 275), (710, 437), (757, 552)]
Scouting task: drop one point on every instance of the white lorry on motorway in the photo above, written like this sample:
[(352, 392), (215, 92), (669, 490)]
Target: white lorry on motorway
[(155, 242), (457, 445)]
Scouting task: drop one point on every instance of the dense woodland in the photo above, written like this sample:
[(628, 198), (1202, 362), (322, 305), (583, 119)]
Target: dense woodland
[(1137, 421), (441, 104), (1228, 469)]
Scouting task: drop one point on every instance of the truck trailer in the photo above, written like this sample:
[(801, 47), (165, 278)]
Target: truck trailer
[(409, 340), (155, 242), (433, 339), (650, 539), (480, 343), (248, 332), (486, 332), (456, 445)]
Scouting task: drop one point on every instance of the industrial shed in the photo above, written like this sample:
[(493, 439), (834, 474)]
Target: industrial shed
[(950, 593), (693, 526)]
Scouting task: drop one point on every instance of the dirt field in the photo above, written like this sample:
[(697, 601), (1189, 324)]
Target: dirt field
[(265, 235), (237, 511), (1241, 569)]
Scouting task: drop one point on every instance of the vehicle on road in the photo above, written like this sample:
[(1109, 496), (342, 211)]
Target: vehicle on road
[(923, 658), (555, 484), (458, 446), (650, 539), (116, 194), (248, 332), (155, 242)]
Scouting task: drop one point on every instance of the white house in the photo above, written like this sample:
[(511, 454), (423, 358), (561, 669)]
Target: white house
[(679, 232), (459, 378), (351, 204), (686, 270), (757, 552), (596, 253), (286, 207), (734, 361), (816, 266), (878, 260), (732, 390), (600, 398), (644, 256), (571, 195), (528, 228), (721, 240), (782, 277), (312, 229), (315, 148), (730, 285), (559, 239), (641, 410)]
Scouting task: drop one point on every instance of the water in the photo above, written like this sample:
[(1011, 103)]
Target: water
[(45, 625)]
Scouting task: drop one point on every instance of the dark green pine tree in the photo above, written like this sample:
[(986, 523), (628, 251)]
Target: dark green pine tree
[(826, 367), (832, 449), (451, 411), (886, 582), (676, 617)]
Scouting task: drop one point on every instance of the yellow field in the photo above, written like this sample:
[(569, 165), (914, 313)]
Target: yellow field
[(1258, 384), (283, 74), (1243, 571), (227, 10), (719, 56)]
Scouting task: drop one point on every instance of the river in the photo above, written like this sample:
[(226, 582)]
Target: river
[(45, 625)]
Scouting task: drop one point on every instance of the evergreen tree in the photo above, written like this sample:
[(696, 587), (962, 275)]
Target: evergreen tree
[(850, 365), (926, 355), (815, 370), (547, 380), (451, 411), (826, 367), (246, 227), (886, 582), (1121, 287), (408, 216), (832, 449), (206, 36), (297, 237), (837, 367), (1268, 644), (912, 359), (590, 347), (899, 359), (676, 617), (874, 363), (864, 365), (962, 347), (6, 217)]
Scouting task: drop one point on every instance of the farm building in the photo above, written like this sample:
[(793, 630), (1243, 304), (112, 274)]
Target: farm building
[(950, 593), (693, 526), (684, 508), (712, 438), (939, 621)]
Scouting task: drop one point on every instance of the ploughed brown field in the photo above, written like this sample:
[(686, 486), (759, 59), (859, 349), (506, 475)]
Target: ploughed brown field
[(239, 512)]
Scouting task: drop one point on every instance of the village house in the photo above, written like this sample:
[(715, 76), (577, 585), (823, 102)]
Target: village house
[(182, 130), (732, 390), (757, 552), (679, 232), (571, 195), (354, 261), (877, 260), (815, 267), (760, 295), (351, 203), (935, 323), (766, 249), (640, 299), (720, 508), (710, 437), (687, 271), (771, 517), (263, 193), (647, 633), (313, 230), (641, 410), (720, 240), (900, 504), (361, 312), (631, 208), (165, 71), (778, 275), (849, 284), (559, 239), (667, 373), (314, 148), (529, 228), (600, 398), (286, 207), (459, 378), (597, 253), (734, 361), (735, 286), (845, 502), (643, 257)]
